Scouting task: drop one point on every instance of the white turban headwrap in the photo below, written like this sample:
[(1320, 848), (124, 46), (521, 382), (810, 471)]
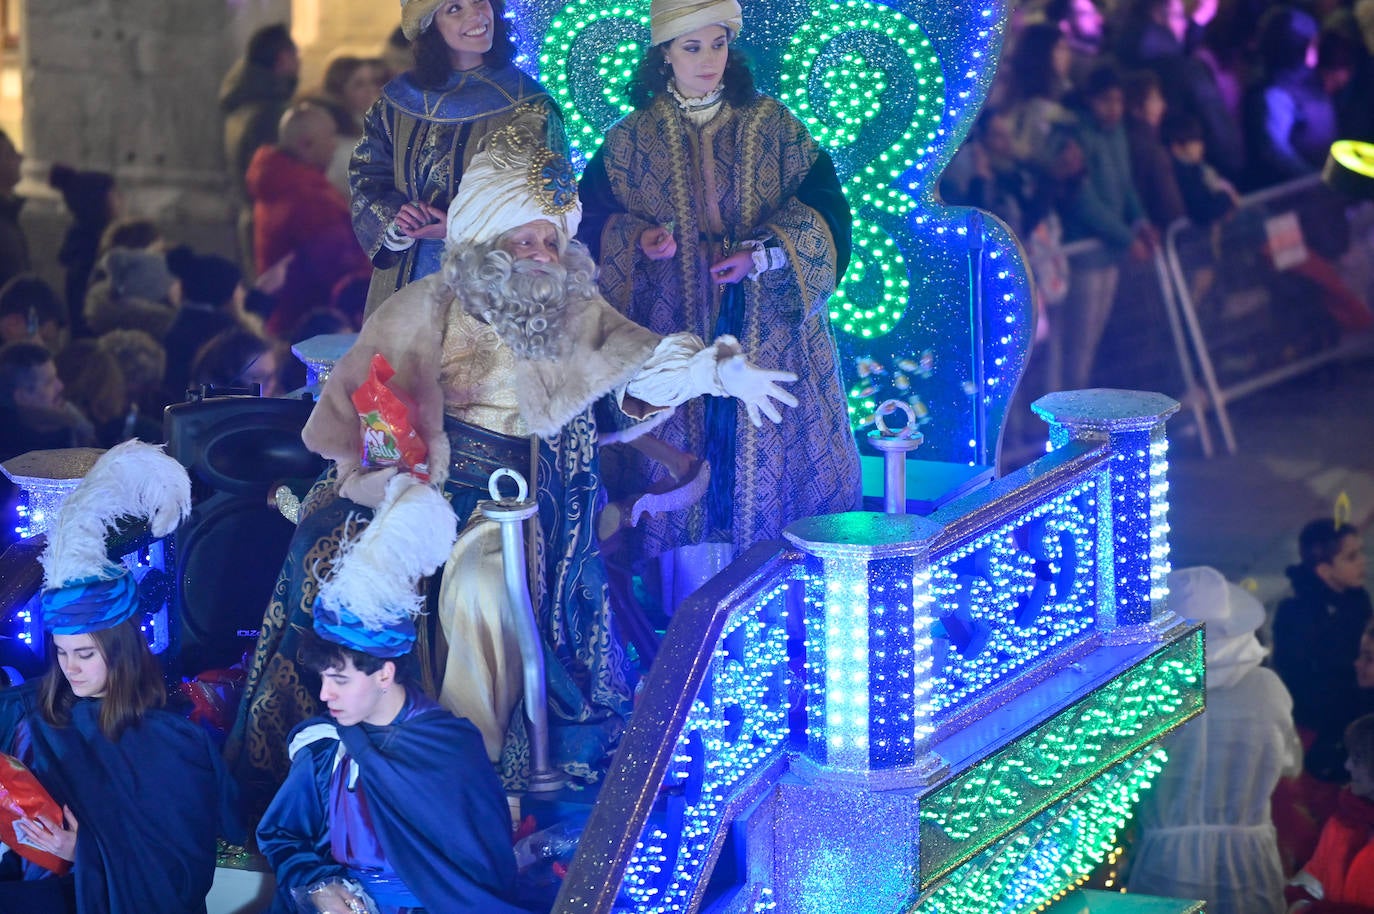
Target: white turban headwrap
[(669, 19), (513, 180), (1232, 615)]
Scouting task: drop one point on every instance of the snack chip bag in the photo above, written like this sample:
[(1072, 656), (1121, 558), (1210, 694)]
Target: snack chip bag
[(22, 797), (389, 438)]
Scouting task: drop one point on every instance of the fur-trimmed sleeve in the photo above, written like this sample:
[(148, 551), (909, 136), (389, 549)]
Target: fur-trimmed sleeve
[(408, 329)]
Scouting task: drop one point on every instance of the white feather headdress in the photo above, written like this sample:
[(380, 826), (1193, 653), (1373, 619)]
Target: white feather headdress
[(132, 479), (376, 573)]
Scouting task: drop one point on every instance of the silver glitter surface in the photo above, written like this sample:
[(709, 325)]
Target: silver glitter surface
[(838, 848), (46, 478), (1106, 410), (319, 353)]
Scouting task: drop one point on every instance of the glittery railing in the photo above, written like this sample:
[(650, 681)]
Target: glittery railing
[(1021, 591), (737, 726), (708, 733), (913, 628)]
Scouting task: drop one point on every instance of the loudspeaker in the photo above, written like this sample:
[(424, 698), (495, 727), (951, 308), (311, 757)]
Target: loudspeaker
[(227, 554)]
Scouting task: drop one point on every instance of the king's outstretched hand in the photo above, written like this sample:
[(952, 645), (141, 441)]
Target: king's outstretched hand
[(755, 387)]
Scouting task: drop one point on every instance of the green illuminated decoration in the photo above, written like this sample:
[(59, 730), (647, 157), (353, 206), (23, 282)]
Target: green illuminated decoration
[(1053, 852), (1355, 155), (1004, 790), (1350, 168), (837, 93), (834, 88), (621, 34)]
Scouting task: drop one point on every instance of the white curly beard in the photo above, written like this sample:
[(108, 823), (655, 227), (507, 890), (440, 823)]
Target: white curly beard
[(524, 301)]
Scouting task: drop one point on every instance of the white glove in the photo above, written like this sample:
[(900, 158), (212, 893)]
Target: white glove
[(755, 387)]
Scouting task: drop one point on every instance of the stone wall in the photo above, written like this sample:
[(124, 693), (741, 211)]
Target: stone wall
[(323, 28), (131, 87)]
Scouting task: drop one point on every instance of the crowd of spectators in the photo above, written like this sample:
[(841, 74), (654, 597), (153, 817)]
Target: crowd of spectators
[(1112, 120), (140, 320)]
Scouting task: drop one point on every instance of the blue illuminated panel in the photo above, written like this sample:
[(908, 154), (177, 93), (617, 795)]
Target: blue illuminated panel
[(737, 728), (1014, 595)]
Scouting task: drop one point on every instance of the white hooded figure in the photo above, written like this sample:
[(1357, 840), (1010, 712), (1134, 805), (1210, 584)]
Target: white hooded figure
[(1205, 828)]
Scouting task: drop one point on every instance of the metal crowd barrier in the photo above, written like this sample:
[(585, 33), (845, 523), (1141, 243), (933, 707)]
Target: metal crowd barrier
[(1133, 353), (1272, 292), (1276, 290)]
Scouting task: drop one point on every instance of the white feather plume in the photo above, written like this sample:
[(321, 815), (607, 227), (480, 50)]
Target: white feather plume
[(376, 573), (132, 479)]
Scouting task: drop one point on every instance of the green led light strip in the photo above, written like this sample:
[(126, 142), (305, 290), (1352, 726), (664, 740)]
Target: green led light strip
[(1004, 790), (822, 65), (1052, 853)]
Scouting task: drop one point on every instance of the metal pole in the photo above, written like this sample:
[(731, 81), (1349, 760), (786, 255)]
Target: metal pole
[(895, 445), (511, 515)]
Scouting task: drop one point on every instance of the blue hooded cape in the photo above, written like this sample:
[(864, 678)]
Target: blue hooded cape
[(434, 798), (149, 805)]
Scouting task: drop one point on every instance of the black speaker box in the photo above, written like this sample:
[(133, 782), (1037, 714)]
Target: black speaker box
[(227, 554)]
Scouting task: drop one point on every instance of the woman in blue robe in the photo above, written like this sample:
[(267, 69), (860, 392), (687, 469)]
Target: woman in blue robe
[(143, 792), (420, 136)]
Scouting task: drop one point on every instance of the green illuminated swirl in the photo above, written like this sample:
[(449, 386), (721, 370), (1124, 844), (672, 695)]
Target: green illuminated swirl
[(838, 91), (618, 35)]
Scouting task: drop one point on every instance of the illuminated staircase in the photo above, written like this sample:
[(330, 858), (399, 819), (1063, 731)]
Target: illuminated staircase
[(953, 713)]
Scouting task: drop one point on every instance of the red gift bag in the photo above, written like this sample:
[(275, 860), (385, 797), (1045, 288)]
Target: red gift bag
[(389, 437), (22, 797)]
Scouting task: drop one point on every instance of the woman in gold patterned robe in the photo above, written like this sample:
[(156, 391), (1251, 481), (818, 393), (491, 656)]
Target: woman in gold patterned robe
[(711, 209), (422, 133)]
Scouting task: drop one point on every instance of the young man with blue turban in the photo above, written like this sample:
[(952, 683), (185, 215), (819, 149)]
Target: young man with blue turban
[(390, 806)]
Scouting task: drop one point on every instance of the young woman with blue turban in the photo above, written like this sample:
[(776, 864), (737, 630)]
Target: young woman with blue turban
[(143, 792)]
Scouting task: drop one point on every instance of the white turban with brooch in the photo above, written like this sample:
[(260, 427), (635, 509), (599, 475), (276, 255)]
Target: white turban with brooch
[(514, 179)]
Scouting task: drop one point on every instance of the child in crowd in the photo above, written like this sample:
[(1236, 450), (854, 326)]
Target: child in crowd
[(1317, 634), (1207, 196), (1317, 637), (1151, 167), (392, 805), (1339, 879), (1107, 208), (1205, 828), (987, 174)]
